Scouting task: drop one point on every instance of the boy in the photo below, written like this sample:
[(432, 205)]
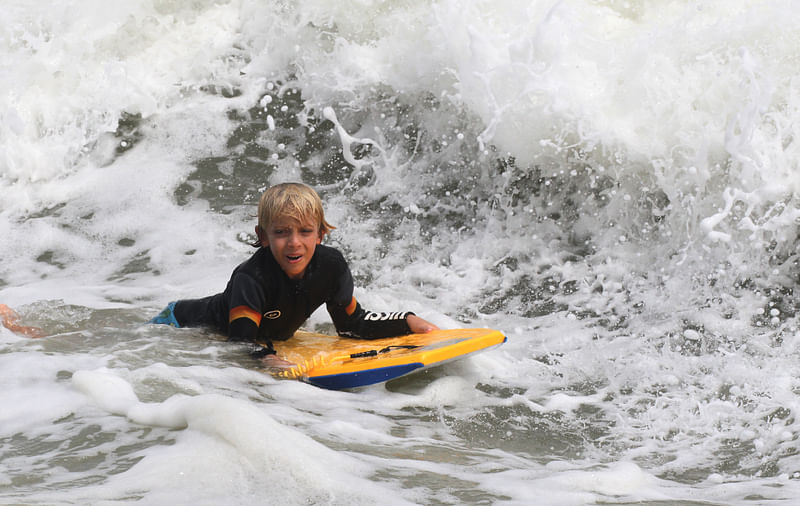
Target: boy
[(272, 294)]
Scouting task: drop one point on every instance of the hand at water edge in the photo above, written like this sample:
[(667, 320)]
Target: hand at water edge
[(276, 364), (420, 326)]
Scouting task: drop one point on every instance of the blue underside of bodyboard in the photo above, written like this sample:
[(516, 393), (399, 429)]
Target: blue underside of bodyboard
[(362, 378)]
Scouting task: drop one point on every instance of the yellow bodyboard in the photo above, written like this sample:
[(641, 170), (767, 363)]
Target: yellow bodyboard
[(338, 362)]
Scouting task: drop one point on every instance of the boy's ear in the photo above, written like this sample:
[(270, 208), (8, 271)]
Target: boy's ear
[(262, 237)]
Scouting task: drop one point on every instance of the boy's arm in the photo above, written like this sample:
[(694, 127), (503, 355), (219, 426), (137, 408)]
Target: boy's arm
[(244, 316), (351, 320), (355, 321), (244, 328)]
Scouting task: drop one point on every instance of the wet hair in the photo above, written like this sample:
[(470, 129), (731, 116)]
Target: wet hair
[(291, 200)]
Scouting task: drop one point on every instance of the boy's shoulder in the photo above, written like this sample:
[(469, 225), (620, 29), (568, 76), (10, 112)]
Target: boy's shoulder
[(263, 258), (329, 254), (260, 264)]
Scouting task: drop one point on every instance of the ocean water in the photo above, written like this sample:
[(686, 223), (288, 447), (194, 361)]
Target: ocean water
[(613, 184)]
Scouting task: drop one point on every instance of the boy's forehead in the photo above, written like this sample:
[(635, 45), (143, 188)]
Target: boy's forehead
[(303, 221)]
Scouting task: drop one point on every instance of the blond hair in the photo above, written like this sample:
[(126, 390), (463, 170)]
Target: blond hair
[(295, 201)]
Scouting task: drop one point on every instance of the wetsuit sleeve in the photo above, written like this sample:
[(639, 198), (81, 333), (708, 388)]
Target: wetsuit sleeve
[(354, 321), (244, 312), (351, 320)]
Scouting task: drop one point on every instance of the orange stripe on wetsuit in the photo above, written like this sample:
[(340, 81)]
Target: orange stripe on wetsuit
[(245, 312), (351, 307)]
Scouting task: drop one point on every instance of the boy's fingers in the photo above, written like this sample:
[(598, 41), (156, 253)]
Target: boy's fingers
[(420, 326), (275, 362)]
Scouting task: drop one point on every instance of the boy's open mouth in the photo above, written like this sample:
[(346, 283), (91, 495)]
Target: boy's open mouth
[(294, 258)]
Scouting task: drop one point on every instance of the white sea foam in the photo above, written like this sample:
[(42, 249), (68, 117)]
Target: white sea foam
[(256, 446)]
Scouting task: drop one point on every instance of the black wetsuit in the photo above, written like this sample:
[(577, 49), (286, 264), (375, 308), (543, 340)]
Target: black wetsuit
[(261, 303)]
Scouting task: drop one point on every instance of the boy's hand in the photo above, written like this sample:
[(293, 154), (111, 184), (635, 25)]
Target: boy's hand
[(418, 325), (276, 363)]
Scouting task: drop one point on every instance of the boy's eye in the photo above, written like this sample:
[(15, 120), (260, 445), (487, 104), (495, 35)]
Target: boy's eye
[(281, 231)]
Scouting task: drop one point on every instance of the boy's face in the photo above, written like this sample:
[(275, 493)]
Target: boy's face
[(292, 244)]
